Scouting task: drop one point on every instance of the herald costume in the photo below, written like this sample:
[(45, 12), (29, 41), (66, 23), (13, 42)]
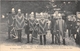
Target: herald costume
[(33, 28), (19, 24), (11, 24), (43, 26)]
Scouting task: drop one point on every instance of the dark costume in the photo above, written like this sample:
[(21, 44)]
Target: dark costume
[(27, 29), (69, 27), (19, 24), (74, 29), (53, 20), (11, 24), (32, 24), (43, 30), (77, 40)]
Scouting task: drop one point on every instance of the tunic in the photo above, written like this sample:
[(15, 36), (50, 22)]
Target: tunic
[(43, 27), (35, 32), (61, 27), (31, 24), (53, 21), (74, 28), (27, 26), (19, 21), (33, 27)]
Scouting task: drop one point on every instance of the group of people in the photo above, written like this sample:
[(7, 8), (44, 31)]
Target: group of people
[(73, 26), (18, 22), (58, 26)]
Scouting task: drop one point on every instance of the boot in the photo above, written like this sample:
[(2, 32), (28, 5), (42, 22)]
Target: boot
[(27, 38), (64, 42), (40, 39), (52, 39), (44, 39), (32, 40)]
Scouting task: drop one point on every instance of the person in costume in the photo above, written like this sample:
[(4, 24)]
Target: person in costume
[(53, 20), (27, 27), (52, 29), (19, 24), (11, 23), (74, 27), (43, 27), (32, 25), (60, 29), (69, 25)]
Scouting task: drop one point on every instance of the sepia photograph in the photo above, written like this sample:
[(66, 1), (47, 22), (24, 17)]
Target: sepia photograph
[(39, 24)]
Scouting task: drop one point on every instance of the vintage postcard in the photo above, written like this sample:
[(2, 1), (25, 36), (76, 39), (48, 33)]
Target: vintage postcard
[(35, 25)]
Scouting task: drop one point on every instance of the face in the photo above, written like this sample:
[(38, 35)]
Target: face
[(19, 11), (13, 11), (32, 17)]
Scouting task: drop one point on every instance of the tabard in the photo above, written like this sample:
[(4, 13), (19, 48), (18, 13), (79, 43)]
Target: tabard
[(19, 21), (43, 26)]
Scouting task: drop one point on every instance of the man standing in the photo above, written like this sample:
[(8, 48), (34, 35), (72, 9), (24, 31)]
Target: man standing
[(53, 20), (32, 25), (27, 28), (43, 30), (77, 40), (69, 25), (60, 29), (19, 24), (74, 27), (11, 22)]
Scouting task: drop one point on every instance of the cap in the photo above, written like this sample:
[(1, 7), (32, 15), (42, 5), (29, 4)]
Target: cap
[(13, 9), (32, 13), (19, 9), (59, 14)]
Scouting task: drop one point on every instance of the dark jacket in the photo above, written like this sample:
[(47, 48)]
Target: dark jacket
[(53, 21)]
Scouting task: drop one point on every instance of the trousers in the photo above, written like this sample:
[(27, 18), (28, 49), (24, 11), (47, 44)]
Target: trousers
[(44, 39), (19, 35)]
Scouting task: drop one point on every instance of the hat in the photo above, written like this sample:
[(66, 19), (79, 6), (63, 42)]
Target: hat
[(19, 9), (13, 9), (41, 13), (59, 14), (32, 13)]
